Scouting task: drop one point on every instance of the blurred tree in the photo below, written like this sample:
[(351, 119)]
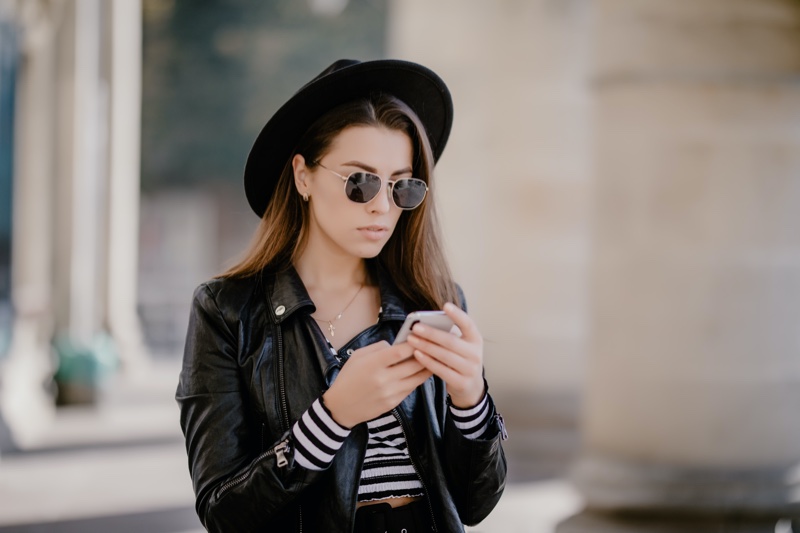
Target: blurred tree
[(8, 63), (215, 70)]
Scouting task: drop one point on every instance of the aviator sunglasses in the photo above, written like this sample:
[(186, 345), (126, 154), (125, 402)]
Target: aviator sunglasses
[(361, 187)]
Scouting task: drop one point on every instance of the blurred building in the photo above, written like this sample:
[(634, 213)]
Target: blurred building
[(622, 195), (621, 198), (212, 75), (74, 235)]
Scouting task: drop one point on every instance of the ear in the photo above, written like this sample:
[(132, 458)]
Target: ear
[(301, 174)]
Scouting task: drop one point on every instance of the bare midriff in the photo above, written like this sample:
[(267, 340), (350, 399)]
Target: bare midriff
[(394, 502)]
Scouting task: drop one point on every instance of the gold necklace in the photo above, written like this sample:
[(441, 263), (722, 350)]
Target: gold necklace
[(331, 327)]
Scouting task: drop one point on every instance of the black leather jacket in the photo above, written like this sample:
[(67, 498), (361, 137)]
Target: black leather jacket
[(254, 362)]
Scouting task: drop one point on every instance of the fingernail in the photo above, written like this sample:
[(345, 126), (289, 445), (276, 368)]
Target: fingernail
[(419, 328), (449, 306)]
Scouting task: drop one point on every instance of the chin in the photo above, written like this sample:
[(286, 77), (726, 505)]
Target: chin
[(368, 252)]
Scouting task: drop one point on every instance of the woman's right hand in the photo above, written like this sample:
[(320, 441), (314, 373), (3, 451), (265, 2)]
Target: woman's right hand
[(375, 379)]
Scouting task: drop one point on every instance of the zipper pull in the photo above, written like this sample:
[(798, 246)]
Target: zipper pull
[(280, 453), (502, 423)]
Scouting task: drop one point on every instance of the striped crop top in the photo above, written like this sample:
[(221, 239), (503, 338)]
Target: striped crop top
[(388, 471)]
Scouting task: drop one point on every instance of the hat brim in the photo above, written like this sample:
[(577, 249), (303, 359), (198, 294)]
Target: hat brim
[(419, 87)]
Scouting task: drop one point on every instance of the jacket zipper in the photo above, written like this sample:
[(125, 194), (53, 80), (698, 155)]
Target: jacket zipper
[(396, 414), (285, 412), (300, 511), (502, 423), (282, 381), (279, 451)]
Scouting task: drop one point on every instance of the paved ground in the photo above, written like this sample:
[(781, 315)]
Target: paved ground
[(121, 467)]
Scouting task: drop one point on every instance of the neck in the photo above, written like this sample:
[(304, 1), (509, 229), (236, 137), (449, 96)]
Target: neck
[(330, 272)]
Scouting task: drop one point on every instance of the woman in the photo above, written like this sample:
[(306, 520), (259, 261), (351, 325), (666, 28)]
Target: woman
[(299, 414)]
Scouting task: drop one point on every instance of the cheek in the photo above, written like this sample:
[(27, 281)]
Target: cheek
[(396, 214), (334, 216), (395, 221)]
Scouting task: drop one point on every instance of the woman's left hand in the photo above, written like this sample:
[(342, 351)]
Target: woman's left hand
[(456, 360)]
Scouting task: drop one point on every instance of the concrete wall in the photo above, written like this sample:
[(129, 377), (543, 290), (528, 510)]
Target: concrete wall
[(622, 204), (515, 180), (694, 376)]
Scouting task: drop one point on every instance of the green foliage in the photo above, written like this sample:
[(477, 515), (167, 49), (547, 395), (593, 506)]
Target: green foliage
[(215, 70)]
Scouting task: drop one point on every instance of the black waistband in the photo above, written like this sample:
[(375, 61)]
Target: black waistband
[(382, 517)]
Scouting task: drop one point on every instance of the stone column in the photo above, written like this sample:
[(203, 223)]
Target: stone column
[(694, 372), (124, 172), (25, 403), (75, 204), (513, 184), (86, 115)]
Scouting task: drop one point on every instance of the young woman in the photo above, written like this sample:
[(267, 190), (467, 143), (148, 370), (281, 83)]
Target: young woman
[(299, 413)]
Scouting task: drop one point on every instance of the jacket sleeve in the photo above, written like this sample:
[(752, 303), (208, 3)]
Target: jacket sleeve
[(237, 486), (475, 468)]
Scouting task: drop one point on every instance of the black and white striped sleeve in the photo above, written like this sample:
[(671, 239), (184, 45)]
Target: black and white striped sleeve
[(317, 437), (474, 421)]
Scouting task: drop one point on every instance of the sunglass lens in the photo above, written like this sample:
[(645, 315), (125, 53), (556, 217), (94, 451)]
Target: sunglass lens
[(362, 187), (409, 192)]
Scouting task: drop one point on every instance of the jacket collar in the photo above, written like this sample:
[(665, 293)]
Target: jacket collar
[(286, 294)]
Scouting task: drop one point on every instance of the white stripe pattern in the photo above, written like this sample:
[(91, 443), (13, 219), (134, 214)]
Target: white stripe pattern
[(473, 422), (317, 437), (387, 471)]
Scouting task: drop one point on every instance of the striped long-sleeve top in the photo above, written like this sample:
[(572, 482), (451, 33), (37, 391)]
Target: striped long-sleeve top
[(388, 471)]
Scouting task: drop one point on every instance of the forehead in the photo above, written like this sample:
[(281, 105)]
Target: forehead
[(378, 147)]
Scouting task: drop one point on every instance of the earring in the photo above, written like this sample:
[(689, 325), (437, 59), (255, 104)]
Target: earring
[(305, 196)]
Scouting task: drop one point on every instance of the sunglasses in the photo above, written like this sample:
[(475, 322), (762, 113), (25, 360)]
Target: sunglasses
[(361, 187)]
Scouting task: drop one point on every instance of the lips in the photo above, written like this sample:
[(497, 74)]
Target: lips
[(374, 232)]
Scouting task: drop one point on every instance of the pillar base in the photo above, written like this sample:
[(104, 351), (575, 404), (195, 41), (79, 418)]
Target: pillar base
[(589, 522), (26, 405), (616, 485)]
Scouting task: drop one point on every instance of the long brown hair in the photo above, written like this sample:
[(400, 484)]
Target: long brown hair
[(413, 255)]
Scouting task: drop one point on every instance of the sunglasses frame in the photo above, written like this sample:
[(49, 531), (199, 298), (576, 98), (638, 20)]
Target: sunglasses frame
[(389, 186)]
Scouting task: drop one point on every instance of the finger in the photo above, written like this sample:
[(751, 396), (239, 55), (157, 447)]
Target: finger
[(415, 380), (437, 367), (469, 331), (397, 354), (425, 338), (383, 354), (460, 362), (443, 338), (409, 367)]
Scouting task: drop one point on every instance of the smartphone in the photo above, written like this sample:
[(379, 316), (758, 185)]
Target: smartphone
[(434, 319)]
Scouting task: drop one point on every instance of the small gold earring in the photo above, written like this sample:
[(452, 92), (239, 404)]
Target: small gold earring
[(305, 196)]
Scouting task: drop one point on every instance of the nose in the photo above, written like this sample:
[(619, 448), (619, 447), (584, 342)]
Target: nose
[(382, 203)]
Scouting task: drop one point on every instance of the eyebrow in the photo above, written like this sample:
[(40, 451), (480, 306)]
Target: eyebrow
[(364, 166)]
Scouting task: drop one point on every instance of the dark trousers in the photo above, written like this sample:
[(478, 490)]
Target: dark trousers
[(382, 518)]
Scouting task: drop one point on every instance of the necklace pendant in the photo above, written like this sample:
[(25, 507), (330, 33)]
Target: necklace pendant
[(332, 329)]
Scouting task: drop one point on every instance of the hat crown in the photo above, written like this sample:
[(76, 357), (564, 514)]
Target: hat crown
[(339, 65), (334, 67)]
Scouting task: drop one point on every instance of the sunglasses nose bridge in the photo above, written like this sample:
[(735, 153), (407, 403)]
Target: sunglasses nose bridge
[(389, 189)]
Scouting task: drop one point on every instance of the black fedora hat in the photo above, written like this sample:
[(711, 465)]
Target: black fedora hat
[(344, 81)]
